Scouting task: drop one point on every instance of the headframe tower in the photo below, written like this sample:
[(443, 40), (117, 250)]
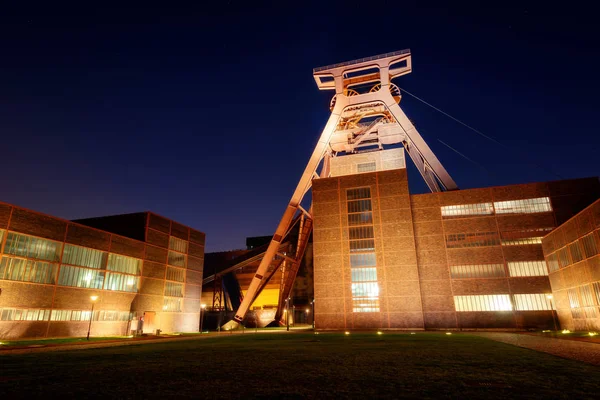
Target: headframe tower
[(365, 116)]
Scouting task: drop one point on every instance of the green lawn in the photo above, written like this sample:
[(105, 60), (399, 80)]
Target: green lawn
[(301, 365)]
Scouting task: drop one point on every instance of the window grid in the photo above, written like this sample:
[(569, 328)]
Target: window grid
[(523, 237), (553, 263), (177, 259), (84, 257), (20, 269), (177, 244), (175, 274), (24, 314), (80, 277), (121, 282), (525, 206), (586, 296), (124, 264), (367, 167), (527, 268), (477, 239), (172, 304), (590, 247), (364, 218), (363, 260), (532, 302), (573, 298), (575, 250), (563, 257), (32, 247), (596, 287), (467, 210), (493, 302), (173, 289), (477, 271)]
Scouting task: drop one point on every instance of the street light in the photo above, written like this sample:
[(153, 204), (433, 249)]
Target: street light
[(202, 307), (550, 297), (313, 313), (287, 314), (93, 299)]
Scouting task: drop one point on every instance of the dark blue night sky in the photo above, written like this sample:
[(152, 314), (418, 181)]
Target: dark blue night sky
[(208, 114)]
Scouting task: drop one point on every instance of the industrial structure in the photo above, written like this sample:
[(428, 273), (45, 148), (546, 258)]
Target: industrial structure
[(383, 258), (117, 275)]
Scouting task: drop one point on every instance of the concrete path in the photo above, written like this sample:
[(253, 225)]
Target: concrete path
[(576, 350)]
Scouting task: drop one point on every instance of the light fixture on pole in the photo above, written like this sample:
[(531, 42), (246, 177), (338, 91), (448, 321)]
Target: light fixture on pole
[(93, 299), (202, 307), (313, 313), (550, 297)]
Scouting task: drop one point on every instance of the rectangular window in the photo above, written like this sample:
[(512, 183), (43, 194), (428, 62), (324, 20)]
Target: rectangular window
[(575, 250), (364, 218), (84, 257), (573, 298), (80, 277), (361, 193), (586, 296), (177, 244), (522, 237), (590, 247), (532, 302), (175, 274), (553, 263), (364, 274), (563, 257), (357, 206), (366, 167), (477, 271), (463, 210), (362, 232), (19, 269), (527, 206), (171, 304), (121, 282), (362, 245), (527, 268), (32, 247), (70, 315), (124, 264), (365, 289), (177, 259), (173, 289), (365, 304), (363, 260), (478, 239), (490, 302), (24, 314), (596, 287)]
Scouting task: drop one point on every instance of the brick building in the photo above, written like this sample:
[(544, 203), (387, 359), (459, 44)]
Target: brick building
[(466, 259), (572, 254), (139, 265)]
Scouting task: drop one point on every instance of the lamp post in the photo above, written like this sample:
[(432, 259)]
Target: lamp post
[(287, 313), (313, 313), (93, 299), (306, 315), (550, 297), (202, 307)]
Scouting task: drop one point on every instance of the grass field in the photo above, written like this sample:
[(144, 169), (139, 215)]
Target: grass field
[(300, 365)]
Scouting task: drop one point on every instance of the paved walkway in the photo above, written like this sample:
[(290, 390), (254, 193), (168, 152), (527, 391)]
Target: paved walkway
[(576, 350)]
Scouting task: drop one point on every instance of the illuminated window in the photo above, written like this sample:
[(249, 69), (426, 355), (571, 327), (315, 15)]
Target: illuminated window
[(19, 269), (124, 264), (175, 274), (467, 210), (84, 315), (173, 289), (573, 298), (478, 239), (177, 259), (532, 302), (366, 167), (575, 250), (477, 271), (524, 236), (527, 268), (80, 277), (586, 295), (24, 314), (563, 257), (172, 304), (527, 206), (490, 302), (84, 257), (121, 282), (553, 262), (596, 287), (177, 244), (32, 247), (590, 247), (365, 289)]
